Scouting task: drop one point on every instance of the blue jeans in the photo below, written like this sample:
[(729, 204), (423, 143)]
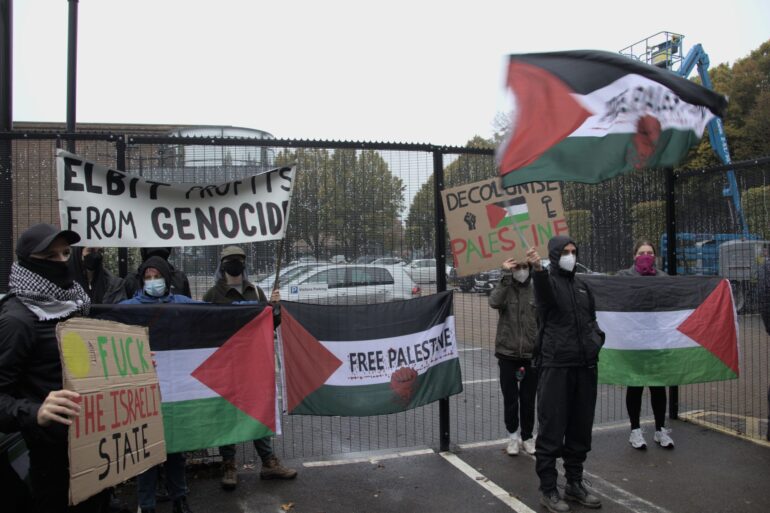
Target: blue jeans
[(147, 482), (263, 446)]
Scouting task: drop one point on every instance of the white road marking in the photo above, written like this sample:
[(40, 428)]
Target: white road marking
[(473, 381), (371, 459)]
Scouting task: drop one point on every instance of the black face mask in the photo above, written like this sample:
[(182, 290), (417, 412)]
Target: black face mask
[(57, 273), (233, 267), (92, 261)]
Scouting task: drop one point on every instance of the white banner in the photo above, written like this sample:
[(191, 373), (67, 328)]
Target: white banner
[(109, 208)]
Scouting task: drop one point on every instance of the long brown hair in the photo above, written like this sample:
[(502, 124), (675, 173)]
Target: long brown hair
[(645, 242)]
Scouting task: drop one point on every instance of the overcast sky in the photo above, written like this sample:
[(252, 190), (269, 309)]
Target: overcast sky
[(410, 71)]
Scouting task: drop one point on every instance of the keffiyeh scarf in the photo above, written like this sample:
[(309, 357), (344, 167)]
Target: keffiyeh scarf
[(46, 300)]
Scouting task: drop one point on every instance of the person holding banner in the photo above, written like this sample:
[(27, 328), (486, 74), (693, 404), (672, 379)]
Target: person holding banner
[(566, 355), (42, 293), (102, 286), (644, 265), (156, 288), (512, 297), (233, 287)]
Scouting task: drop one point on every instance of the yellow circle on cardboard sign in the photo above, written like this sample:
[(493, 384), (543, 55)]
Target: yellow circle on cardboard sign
[(74, 350)]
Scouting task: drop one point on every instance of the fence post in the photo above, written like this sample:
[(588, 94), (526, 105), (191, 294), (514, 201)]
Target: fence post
[(6, 124), (72, 69), (673, 392), (120, 157), (440, 251)]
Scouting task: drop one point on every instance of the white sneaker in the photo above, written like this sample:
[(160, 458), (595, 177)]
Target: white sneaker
[(529, 445), (514, 444), (662, 438), (637, 439)]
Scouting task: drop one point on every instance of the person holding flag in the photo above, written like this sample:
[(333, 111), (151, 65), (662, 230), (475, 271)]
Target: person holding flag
[(512, 297), (233, 287), (566, 355), (644, 265)]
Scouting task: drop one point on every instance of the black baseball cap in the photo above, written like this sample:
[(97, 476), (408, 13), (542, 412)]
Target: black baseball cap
[(38, 237)]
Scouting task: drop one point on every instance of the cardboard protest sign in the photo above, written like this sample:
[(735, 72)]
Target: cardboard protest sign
[(119, 432), (489, 223), (108, 208)]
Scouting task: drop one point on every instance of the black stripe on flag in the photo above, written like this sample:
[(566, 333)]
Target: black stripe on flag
[(371, 322), (649, 293), (516, 200), (182, 326), (585, 71)]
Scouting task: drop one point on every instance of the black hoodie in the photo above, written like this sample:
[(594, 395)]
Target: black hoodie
[(569, 335), (106, 287)]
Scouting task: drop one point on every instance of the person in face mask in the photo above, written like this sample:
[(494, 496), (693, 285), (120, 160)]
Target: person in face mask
[(156, 284), (42, 293), (102, 286), (513, 299), (644, 265), (233, 287), (566, 355), (179, 282)]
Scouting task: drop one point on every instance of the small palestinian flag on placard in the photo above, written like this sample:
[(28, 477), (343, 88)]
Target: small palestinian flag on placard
[(586, 116), (670, 330), (363, 360), (216, 367), (508, 212)]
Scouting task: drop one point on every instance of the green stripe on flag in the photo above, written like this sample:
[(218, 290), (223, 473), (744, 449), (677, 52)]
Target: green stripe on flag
[(661, 367), (204, 423), (436, 383), (521, 218)]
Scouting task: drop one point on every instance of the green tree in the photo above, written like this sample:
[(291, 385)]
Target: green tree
[(648, 220)]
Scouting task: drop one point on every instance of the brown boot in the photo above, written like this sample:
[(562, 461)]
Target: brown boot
[(229, 475), (272, 469)]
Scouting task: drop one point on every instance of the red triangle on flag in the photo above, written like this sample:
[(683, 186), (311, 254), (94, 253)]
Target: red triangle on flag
[(495, 214), (306, 362), (242, 370), (713, 325), (546, 113)]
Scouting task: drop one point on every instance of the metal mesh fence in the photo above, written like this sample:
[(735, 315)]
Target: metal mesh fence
[(363, 202)]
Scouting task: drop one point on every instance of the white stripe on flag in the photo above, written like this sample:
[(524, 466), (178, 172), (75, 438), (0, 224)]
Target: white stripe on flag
[(174, 369), (517, 209), (644, 330), (385, 355)]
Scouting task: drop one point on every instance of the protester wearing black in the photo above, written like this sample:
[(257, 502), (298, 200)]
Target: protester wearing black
[(101, 285), (42, 292), (512, 297), (567, 351), (179, 282), (763, 286)]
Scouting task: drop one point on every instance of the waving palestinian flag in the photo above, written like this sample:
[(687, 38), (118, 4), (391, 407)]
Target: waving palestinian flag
[(216, 367), (586, 116), (368, 359), (671, 330)]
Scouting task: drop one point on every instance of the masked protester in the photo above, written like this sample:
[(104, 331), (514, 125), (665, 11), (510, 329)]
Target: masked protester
[(102, 286), (513, 298), (156, 289), (567, 352), (42, 292), (179, 284), (644, 265), (232, 287)]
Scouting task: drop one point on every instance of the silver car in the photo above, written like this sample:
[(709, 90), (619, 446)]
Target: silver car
[(351, 284)]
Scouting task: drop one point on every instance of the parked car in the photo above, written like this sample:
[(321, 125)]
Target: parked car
[(287, 273), (390, 261), (365, 259), (351, 284), (486, 281), (423, 270)]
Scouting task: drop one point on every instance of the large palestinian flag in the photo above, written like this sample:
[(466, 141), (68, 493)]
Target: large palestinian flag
[(586, 116), (216, 367), (368, 359), (671, 330)]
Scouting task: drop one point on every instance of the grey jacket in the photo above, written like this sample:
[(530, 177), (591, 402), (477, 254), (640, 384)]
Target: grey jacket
[(517, 324)]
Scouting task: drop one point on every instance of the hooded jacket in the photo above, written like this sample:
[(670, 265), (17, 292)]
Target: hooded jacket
[(163, 267), (517, 323), (569, 335), (106, 288), (179, 282)]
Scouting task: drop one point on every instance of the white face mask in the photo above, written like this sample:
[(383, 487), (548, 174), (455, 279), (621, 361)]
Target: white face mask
[(521, 275), (567, 262), (155, 288)]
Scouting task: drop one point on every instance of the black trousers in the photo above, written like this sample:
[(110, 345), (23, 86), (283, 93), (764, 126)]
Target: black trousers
[(566, 398), (657, 401), (518, 396)]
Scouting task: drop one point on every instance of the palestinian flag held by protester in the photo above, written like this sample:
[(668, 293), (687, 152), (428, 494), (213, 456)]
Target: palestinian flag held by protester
[(671, 330), (216, 367), (365, 360), (508, 212), (586, 116)]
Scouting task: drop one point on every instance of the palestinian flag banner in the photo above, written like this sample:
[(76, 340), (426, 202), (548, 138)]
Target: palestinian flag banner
[(366, 360), (586, 116), (668, 330), (216, 367), (509, 212)]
